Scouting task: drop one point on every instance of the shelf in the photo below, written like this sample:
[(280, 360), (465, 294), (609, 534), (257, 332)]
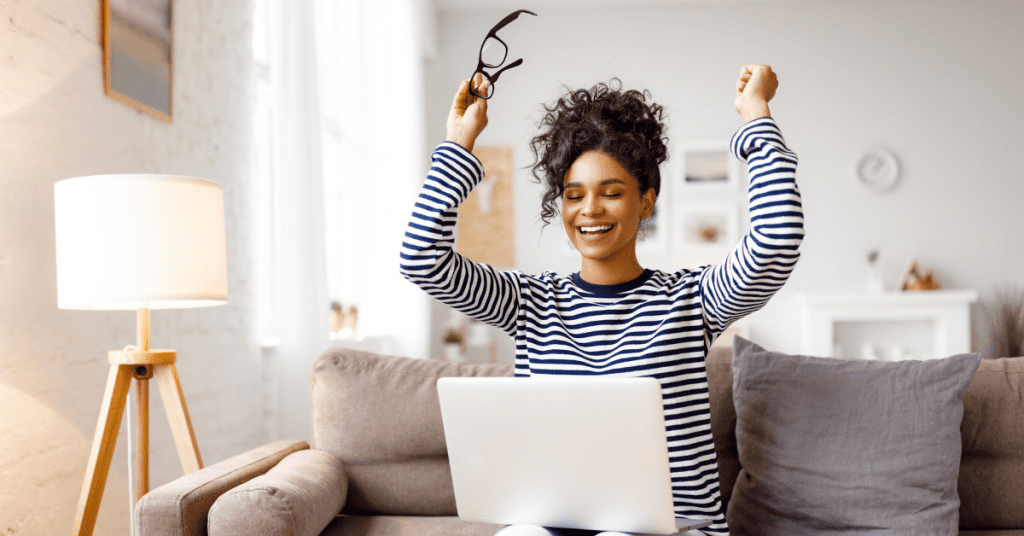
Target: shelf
[(918, 325)]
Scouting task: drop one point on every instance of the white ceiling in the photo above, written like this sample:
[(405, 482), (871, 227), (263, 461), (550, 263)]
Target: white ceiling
[(484, 5)]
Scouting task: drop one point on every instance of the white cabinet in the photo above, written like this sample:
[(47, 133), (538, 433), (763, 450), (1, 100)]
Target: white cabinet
[(890, 326)]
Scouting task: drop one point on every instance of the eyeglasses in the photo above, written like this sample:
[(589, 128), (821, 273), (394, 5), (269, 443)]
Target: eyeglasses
[(493, 52)]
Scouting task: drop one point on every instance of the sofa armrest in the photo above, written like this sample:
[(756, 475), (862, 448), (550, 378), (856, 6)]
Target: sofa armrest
[(299, 496), (180, 507)]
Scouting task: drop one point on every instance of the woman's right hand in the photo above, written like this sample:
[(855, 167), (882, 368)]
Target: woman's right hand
[(468, 115)]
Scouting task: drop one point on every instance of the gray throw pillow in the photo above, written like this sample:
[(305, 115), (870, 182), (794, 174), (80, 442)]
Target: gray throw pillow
[(831, 446)]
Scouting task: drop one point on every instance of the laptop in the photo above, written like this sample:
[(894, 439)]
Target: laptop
[(568, 452)]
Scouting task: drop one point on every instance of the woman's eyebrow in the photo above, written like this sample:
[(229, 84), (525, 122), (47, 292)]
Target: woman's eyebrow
[(602, 183)]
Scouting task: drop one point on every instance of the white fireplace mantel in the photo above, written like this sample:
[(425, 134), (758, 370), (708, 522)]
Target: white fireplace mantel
[(941, 320)]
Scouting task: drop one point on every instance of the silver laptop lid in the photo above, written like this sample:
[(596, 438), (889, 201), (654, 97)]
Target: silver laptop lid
[(560, 452)]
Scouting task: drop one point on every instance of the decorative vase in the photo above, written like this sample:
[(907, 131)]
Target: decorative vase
[(875, 285)]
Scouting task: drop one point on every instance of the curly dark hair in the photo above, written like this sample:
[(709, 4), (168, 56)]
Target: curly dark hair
[(620, 124)]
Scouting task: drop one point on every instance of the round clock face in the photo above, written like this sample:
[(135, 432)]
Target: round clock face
[(878, 170)]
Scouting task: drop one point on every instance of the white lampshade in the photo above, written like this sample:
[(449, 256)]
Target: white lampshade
[(140, 242)]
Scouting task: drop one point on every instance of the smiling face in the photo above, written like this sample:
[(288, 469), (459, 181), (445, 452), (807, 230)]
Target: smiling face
[(601, 210)]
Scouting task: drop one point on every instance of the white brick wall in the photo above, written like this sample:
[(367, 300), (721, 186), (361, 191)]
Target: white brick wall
[(55, 123)]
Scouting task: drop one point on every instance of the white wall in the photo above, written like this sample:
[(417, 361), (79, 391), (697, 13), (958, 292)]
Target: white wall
[(56, 123), (938, 82)]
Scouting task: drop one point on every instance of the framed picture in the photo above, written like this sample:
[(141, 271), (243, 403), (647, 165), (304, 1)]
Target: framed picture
[(137, 54), (705, 226), (706, 166)]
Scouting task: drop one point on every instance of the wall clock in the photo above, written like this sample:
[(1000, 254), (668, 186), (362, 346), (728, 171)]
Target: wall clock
[(878, 170)]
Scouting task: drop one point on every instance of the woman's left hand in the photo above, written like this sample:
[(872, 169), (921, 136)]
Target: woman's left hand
[(754, 88)]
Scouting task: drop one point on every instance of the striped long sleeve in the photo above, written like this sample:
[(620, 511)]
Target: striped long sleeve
[(757, 268), (428, 258)]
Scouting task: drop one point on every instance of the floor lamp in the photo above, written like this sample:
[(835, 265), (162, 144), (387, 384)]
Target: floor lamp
[(138, 242)]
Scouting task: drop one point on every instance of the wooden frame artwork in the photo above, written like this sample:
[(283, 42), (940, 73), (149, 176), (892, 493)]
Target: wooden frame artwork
[(137, 54)]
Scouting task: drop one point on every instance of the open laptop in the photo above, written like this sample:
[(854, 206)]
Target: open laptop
[(587, 453)]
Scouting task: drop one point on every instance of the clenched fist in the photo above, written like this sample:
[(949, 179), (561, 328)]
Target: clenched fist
[(754, 88)]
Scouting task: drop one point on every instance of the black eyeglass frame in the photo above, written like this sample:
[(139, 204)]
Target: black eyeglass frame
[(480, 65)]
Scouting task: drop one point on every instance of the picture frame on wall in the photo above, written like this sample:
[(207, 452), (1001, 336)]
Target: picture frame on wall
[(137, 55), (705, 167), (705, 226)]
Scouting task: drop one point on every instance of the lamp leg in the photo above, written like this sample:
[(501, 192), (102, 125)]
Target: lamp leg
[(177, 414), (142, 375), (114, 398), (141, 436), (138, 458)]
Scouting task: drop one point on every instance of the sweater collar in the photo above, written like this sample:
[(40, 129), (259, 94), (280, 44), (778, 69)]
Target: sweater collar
[(617, 288)]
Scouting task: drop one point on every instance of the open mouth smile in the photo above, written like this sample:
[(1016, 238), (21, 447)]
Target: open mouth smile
[(595, 230)]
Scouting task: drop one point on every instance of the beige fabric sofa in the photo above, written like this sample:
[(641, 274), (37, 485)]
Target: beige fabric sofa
[(379, 417)]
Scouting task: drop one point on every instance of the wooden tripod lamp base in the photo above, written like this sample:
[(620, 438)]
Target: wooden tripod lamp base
[(138, 241), (141, 364)]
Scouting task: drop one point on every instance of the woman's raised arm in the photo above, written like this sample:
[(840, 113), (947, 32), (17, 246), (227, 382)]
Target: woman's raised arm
[(765, 257), (428, 257)]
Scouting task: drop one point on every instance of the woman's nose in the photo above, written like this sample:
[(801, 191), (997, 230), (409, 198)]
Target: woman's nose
[(592, 205)]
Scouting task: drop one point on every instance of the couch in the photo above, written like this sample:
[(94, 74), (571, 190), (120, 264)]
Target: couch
[(378, 463)]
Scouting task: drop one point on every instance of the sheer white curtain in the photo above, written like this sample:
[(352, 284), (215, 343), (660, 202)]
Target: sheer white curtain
[(371, 67), (298, 285), (339, 157)]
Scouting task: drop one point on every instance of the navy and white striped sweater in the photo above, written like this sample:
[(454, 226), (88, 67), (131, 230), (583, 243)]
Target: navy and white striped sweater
[(659, 325)]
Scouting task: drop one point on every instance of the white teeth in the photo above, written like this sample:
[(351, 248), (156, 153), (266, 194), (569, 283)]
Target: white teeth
[(598, 229)]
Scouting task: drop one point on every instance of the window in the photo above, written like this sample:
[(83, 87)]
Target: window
[(372, 161)]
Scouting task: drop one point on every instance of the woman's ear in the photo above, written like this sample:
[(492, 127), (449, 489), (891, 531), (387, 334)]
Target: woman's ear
[(647, 203)]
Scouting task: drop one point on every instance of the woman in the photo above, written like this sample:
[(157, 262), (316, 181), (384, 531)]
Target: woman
[(598, 155)]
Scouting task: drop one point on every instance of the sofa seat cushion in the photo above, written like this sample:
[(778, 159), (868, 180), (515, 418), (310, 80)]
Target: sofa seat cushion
[(837, 447), (355, 525), (992, 464), (381, 417)]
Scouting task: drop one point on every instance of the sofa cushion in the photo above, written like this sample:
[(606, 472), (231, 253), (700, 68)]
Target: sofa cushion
[(992, 463), (380, 416), (298, 497), (356, 525), (834, 447), (723, 418)]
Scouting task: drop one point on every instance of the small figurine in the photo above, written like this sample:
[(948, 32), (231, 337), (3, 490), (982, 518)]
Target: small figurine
[(913, 280), (454, 346), (922, 282), (344, 320)]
